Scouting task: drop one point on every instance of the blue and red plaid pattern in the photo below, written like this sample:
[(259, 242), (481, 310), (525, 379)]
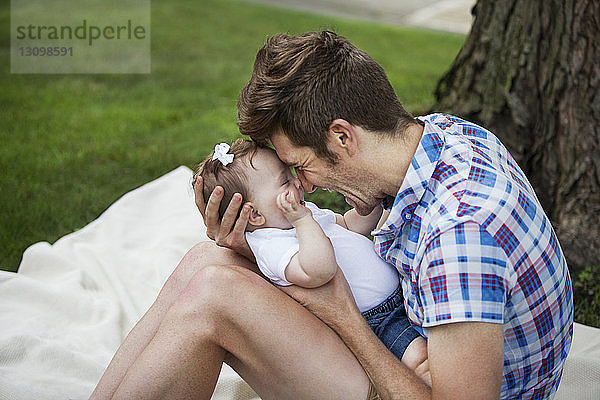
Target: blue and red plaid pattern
[(472, 243)]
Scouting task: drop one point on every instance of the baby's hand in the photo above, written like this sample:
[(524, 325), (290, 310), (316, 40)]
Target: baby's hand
[(290, 207)]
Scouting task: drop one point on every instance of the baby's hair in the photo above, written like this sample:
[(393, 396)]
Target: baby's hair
[(232, 178)]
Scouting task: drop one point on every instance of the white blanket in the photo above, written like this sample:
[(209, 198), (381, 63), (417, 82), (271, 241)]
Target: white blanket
[(64, 314)]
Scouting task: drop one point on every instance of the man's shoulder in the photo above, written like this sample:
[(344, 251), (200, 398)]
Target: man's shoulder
[(465, 132), (475, 175)]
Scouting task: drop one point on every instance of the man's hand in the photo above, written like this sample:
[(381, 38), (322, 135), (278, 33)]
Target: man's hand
[(229, 233), (331, 302), (291, 209)]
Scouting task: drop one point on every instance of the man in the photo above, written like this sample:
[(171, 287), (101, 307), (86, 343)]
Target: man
[(483, 276), (481, 268)]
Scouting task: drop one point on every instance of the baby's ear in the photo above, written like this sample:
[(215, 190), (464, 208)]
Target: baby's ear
[(256, 218)]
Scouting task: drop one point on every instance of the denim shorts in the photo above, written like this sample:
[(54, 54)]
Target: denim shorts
[(391, 325)]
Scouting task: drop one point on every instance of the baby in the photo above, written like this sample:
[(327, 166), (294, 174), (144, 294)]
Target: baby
[(295, 242)]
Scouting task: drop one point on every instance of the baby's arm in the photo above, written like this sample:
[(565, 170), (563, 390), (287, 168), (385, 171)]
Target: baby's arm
[(314, 265), (354, 222)]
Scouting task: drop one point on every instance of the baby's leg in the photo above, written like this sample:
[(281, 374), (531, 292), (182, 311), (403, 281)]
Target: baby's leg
[(396, 332), (415, 358), (415, 354)]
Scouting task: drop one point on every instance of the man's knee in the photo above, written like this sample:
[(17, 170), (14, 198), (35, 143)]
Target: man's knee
[(208, 253), (200, 256), (212, 296), (199, 295), (221, 288), (217, 281), (208, 309)]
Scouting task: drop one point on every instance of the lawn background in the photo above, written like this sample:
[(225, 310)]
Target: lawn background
[(70, 145)]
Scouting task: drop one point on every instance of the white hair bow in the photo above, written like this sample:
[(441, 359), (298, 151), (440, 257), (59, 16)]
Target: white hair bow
[(221, 154)]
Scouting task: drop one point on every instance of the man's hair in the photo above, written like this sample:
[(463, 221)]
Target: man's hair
[(232, 178), (300, 84)]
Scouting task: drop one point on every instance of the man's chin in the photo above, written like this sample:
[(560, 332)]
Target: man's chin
[(361, 208)]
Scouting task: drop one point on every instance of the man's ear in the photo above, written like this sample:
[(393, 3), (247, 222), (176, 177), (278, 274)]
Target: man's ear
[(256, 218), (342, 137)]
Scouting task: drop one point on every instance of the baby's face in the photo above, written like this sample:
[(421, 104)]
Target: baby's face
[(271, 178)]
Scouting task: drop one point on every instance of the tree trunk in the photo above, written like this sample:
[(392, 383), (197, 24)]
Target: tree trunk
[(530, 72)]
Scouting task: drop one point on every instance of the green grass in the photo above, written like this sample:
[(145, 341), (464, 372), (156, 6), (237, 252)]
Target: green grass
[(70, 145)]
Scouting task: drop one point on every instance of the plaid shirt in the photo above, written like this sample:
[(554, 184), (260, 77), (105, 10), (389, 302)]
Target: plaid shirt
[(472, 243)]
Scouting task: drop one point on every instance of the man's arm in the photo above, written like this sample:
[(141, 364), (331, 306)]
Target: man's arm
[(351, 220), (391, 378), (465, 359)]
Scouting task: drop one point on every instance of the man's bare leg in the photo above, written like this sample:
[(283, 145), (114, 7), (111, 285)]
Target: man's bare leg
[(201, 255), (228, 313)]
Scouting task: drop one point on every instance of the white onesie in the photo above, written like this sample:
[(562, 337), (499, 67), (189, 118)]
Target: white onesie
[(371, 279)]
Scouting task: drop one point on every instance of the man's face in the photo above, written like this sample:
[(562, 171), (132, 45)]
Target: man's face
[(270, 178), (345, 176)]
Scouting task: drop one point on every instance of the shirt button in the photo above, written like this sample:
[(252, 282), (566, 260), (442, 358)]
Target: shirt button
[(407, 216)]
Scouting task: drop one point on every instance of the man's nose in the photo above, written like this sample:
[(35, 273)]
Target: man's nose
[(306, 185)]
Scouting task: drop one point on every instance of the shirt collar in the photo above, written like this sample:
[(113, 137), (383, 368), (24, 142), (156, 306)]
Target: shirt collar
[(417, 176)]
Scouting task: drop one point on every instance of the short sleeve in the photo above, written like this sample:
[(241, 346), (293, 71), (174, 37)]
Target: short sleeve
[(463, 277), (273, 250)]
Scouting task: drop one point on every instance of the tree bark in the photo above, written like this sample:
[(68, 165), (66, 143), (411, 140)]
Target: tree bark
[(530, 72)]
